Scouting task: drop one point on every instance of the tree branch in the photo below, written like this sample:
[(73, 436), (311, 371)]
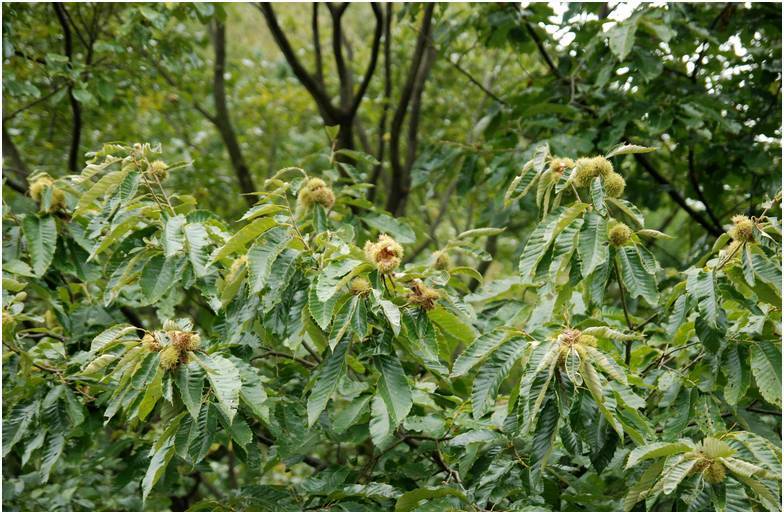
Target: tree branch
[(222, 118), (726, 11), (416, 107), (33, 103), (477, 83), (373, 60), (661, 180), (337, 50), (170, 80), (382, 123), (12, 153), (398, 191), (328, 111), (695, 184), (76, 109), (317, 44), (542, 50)]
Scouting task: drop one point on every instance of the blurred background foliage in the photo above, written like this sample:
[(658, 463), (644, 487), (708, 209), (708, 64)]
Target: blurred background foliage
[(449, 98)]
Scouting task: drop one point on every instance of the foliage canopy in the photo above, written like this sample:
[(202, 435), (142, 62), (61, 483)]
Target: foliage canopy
[(533, 336)]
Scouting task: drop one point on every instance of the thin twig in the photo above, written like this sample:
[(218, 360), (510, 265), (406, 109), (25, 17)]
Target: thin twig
[(275, 353)]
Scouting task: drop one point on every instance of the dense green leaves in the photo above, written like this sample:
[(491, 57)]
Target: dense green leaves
[(588, 371)]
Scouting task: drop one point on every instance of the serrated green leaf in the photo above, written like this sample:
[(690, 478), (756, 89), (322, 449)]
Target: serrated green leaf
[(654, 451), (451, 324), (109, 336), (702, 286), (41, 237), (351, 414), (173, 238), (674, 474), (492, 374), (393, 388), (242, 237), (380, 424), (597, 196), (637, 281), (593, 245), (51, 454), (15, 424), (767, 271), (332, 370), (262, 255), (476, 352), (190, 381), (160, 459), (736, 368), (197, 240), (766, 367), (101, 188), (158, 276), (224, 380)]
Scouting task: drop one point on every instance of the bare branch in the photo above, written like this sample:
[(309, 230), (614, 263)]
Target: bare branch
[(33, 103), (695, 184), (222, 118), (317, 44), (373, 60), (398, 191), (542, 50), (676, 196), (76, 109), (328, 111), (382, 123), (337, 50), (478, 83)]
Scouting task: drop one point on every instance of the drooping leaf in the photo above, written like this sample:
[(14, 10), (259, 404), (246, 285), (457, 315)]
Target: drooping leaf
[(674, 473), (492, 373), (476, 352), (332, 369), (262, 255), (736, 368), (15, 424), (637, 281), (158, 276), (173, 238), (190, 382), (53, 449), (224, 380), (654, 451), (242, 237), (393, 388), (621, 40), (593, 246), (766, 367), (197, 240), (702, 286), (41, 237)]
